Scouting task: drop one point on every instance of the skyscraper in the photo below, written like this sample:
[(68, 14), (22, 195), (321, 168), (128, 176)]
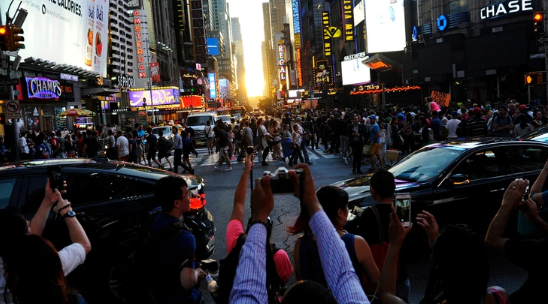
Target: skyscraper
[(239, 54)]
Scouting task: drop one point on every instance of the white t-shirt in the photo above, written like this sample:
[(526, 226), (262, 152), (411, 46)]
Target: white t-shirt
[(71, 257), (23, 145), (124, 146), (452, 126), (518, 131), (208, 130)]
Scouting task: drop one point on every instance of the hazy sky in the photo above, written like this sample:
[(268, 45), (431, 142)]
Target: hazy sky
[(251, 21)]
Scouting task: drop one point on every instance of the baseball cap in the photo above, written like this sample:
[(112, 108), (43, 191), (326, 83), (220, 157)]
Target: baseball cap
[(522, 107), (455, 113), (476, 110), (372, 117)]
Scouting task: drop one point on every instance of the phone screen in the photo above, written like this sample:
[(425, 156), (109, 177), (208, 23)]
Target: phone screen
[(402, 203), (55, 179)]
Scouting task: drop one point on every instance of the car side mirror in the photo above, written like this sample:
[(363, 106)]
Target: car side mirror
[(460, 179)]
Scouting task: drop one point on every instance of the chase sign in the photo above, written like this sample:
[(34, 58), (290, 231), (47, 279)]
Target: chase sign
[(506, 8)]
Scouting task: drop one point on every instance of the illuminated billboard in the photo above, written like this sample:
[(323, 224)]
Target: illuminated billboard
[(385, 23), (212, 85), (213, 46), (161, 97), (66, 32), (355, 72), (359, 13)]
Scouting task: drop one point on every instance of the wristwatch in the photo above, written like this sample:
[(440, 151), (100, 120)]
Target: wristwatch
[(69, 214)]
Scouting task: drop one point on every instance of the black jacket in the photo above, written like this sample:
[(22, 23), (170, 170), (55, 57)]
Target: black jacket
[(356, 139)]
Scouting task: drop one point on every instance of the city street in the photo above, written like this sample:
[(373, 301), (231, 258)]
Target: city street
[(220, 187)]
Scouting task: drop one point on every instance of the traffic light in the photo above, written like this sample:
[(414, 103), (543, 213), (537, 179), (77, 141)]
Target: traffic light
[(533, 78), (538, 26), (3, 38), (14, 38)]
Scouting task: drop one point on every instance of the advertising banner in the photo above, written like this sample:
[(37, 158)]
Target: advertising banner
[(355, 72), (155, 72), (348, 14), (385, 22), (442, 99), (161, 97), (213, 46), (66, 32), (212, 85)]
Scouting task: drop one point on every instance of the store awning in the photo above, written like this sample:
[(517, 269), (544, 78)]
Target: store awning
[(381, 63), (99, 91)]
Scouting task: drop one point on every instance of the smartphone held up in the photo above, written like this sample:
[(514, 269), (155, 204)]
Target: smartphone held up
[(402, 204), (55, 178)]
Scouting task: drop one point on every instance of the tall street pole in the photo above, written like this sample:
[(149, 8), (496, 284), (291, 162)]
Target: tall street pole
[(150, 83)]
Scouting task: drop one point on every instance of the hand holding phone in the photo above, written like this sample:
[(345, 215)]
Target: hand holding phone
[(402, 205)]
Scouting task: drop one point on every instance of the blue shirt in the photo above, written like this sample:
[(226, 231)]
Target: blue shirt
[(177, 142), (375, 132), (435, 125), (401, 115), (175, 255)]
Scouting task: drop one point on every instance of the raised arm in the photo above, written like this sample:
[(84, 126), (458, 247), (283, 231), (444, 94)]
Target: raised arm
[(387, 285), (250, 281), (536, 189), (512, 197), (76, 231), (241, 191), (337, 267), (39, 219)]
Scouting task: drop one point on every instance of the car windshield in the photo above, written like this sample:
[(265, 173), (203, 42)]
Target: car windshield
[(531, 135), (426, 164), (156, 131), (225, 118), (197, 120)]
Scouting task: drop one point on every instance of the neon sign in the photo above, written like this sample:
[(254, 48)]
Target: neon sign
[(43, 88), (296, 21), (281, 62), (140, 52), (299, 67)]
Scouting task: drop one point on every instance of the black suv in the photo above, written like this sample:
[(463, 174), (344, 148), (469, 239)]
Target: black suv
[(459, 182), (111, 200)]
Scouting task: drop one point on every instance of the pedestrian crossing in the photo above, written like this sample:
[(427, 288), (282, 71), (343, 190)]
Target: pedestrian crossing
[(206, 159)]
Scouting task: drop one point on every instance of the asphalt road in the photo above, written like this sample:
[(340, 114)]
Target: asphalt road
[(220, 187)]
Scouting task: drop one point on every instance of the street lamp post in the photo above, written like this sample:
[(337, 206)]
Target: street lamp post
[(150, 83)]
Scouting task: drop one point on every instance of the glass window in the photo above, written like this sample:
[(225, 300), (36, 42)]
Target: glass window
[(93, 188), (426, 11), (426, 164), (455, 6), (523, 159), (480, 165), (197, 120), (35, 194), (6, 189)]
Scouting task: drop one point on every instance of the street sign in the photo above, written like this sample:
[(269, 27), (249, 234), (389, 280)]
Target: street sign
[(8, 82), (541, 40), (11, 53), (12, 107)]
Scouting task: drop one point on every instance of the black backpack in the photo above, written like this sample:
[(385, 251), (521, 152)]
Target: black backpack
[(227, 273), (136, 277)]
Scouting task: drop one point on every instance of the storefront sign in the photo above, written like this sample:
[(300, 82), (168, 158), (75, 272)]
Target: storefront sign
[(506, 8), (442, 23), (442, 99), (43, 88), (355, 56), (126, 81), (326, 34), (69, 77), (160, 97), (379, 65), (348, 14), (155, 71)]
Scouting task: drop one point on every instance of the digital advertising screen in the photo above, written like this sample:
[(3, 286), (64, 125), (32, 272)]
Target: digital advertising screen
[(161, 97), (355, 72), (359, 13), (66, 32), (213, 46), (385, 23)]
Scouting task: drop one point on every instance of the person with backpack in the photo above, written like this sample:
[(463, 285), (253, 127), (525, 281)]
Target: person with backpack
[(334, 202), (503, 124), (373, 226), (174, 273), (279, 268)]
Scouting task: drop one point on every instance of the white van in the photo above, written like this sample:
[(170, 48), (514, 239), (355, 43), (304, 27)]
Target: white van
[(198, 122)]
